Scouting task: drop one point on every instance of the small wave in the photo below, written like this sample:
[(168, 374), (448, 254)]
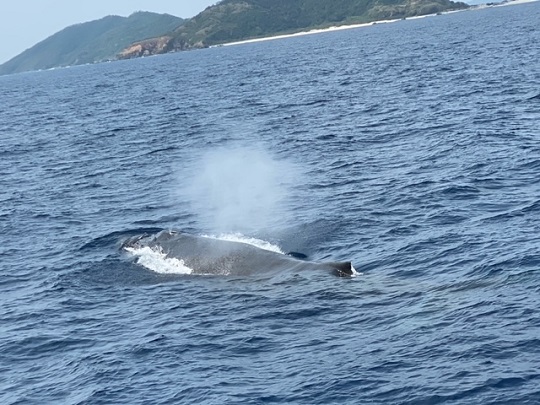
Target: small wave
[(238, 237), (158, 261)]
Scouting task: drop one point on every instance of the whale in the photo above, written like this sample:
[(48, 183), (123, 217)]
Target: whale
[(211, 256)]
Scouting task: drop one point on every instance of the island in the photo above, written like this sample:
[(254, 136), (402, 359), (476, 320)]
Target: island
[(231, 21), (228, 21)]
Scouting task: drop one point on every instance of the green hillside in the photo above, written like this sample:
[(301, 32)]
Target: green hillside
[(91, 42), (233, 20), (146, 33)]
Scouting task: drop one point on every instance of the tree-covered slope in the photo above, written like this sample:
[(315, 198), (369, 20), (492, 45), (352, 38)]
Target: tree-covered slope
[(91, 42), (233, 20), (146, 33)]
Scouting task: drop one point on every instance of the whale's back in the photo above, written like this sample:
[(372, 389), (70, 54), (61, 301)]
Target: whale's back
[(209, 256)]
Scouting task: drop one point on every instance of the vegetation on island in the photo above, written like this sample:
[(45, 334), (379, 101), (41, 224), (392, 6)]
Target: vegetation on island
[(91, 42), (235, 20), (146, 33)]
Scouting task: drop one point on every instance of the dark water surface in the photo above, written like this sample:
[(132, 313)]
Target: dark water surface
[(413, 151)]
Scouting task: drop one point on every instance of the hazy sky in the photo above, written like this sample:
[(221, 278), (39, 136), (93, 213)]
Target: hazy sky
[(24, 23)]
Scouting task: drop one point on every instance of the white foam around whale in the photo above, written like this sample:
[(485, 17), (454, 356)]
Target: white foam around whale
[(158, 261), (238, 237)]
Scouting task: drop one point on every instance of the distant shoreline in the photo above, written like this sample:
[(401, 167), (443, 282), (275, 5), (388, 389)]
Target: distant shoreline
[(352, 26), (291, 35)]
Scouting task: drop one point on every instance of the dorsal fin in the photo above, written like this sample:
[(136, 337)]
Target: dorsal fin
[(343, 269)]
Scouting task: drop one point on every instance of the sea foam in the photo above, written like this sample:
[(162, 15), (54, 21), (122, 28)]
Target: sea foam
[(158, 261)]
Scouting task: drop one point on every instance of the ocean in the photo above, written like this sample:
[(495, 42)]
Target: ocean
[(410, 149)]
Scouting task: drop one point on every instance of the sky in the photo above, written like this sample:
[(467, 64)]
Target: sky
[(24, 23)]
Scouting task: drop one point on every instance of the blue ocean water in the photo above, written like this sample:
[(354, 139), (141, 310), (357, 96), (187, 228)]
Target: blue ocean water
[(411, 149)]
